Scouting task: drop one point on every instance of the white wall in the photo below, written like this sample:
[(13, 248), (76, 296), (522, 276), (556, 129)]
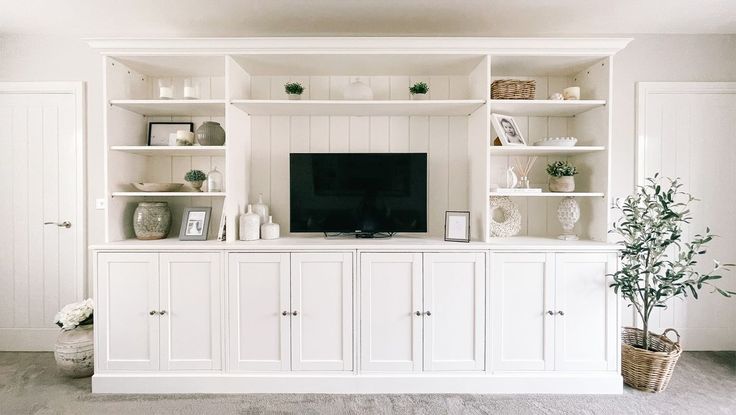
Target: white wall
[(647, 58)]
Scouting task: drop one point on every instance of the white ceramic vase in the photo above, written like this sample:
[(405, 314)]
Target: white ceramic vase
[(568, 213), (270, 230), (74, 352), (419, 97), (357, 91), (261, 209), (250, 225), (564, 184), (294, 97)]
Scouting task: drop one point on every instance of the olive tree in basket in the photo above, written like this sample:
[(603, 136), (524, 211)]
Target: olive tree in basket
[(656, 264)]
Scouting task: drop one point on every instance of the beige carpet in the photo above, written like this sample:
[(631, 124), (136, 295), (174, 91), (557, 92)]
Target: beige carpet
[(703, 383)]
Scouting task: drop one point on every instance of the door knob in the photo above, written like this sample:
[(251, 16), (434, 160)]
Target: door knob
[(550, 312), (562, 313), (418, 313), (162, 312), (428, 313), (152, 313), (65, 224), (284, 313), (293, 313)]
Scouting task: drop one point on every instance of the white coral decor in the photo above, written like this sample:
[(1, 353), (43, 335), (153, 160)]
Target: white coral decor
[(72, 315)]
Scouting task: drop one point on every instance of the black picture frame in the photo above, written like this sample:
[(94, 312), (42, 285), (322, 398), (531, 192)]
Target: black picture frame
[(458, 213), (190, 125)]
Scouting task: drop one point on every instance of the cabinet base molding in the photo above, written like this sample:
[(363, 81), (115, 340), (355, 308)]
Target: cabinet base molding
[(513, 383)]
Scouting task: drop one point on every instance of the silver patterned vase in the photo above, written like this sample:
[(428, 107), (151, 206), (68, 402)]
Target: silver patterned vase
[(74, 352), (152, 220), (210, 133)]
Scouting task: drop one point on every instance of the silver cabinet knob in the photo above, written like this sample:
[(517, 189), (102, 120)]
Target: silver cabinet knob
[(293, 313), (562, 313), (284, 313), (418, 313), (152, 313), (550, 312), (162, 312), (428, 313), (65, 224)]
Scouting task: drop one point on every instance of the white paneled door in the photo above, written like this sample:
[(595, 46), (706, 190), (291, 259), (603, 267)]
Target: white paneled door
[(42, 260), (688, 130)]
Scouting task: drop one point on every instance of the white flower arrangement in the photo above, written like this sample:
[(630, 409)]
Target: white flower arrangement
[(75, 314)]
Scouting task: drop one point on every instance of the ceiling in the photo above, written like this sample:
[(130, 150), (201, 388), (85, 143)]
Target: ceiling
[(225, 18)]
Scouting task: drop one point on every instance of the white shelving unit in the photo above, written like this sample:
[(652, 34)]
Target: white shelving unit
[(168, 194), (548, 194), (242, 89)]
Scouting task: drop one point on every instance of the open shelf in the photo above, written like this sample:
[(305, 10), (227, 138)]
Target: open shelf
[(542, 150), (339, 107), (543, 107), (164, 107), (549, 194), (168, 194), (206, 151)]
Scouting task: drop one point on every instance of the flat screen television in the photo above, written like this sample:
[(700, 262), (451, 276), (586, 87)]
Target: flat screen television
[(361, 193)]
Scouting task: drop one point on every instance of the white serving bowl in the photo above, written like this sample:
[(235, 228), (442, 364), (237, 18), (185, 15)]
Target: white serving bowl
[(158, 187), (557, 142)]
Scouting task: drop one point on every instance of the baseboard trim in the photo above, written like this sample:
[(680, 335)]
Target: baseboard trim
[(28, 340), (608, 383)]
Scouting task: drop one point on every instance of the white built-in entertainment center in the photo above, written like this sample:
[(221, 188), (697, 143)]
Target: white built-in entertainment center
[(413, 313)]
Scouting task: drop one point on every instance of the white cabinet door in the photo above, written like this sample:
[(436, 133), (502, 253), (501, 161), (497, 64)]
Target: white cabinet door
[(522, 293), (454, 311), (191, 311), (127, 300), (586, 307), (322, 311), (390, 295), (259, 311)]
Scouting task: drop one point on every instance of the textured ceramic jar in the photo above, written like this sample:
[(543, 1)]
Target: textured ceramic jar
[(568, 213), (261, 209), (152, 220), (270, 230), (250, 225), (564, 184), (74, 352), (210, 133)]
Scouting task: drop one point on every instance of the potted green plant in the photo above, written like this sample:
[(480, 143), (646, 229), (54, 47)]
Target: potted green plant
[(561, 176), (656, 266), (195, 179), (419, 90), (294, 90)]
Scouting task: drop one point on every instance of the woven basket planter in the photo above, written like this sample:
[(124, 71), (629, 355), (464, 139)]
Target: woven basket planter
[(513, 89), (648, 370)]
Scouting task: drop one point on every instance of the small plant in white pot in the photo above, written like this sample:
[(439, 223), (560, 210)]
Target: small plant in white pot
[(419, 90), (657, 266), (561, 176), (74, 349), (294, 90), (195, 179)]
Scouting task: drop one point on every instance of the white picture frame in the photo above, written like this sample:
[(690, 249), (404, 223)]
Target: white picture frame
[(508, 130), (457, 226)]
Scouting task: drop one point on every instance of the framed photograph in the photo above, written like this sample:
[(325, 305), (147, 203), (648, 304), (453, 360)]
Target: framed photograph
[(457, 226), (195, 223), (507, 130), (158, 132)]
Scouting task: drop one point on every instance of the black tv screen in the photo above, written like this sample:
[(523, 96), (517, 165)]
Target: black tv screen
[(362, 193)]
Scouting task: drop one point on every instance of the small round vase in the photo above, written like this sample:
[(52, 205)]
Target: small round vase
[(568, 213), (152, 220), (270, 230), (564, 184), (250, 225), (74, 352), (419, 97), (197, 185), (357, 91), (210, 133)]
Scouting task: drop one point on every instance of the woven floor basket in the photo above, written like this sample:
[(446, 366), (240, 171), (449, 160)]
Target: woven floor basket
[(513, 89), (646, 370)]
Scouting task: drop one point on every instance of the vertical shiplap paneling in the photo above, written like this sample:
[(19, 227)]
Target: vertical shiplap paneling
[(319, 134), (260, 174), (381, 87), (379, 134), (359, 134), (319, 87), (6, 206), (438, 174), (280, 170), (339, 134), (51, 196), (399, 134), (419, 134), (36, 219), (399, 87), (299, 134), (68, 245), (457, 159), (19, 131)]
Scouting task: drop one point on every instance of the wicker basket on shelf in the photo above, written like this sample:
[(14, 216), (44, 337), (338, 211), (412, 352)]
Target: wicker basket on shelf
[(648, 370), (513, 89)]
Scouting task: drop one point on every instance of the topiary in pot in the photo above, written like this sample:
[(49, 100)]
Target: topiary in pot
[(561, 176), (656, 266), (195, 179), (419, 90)]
